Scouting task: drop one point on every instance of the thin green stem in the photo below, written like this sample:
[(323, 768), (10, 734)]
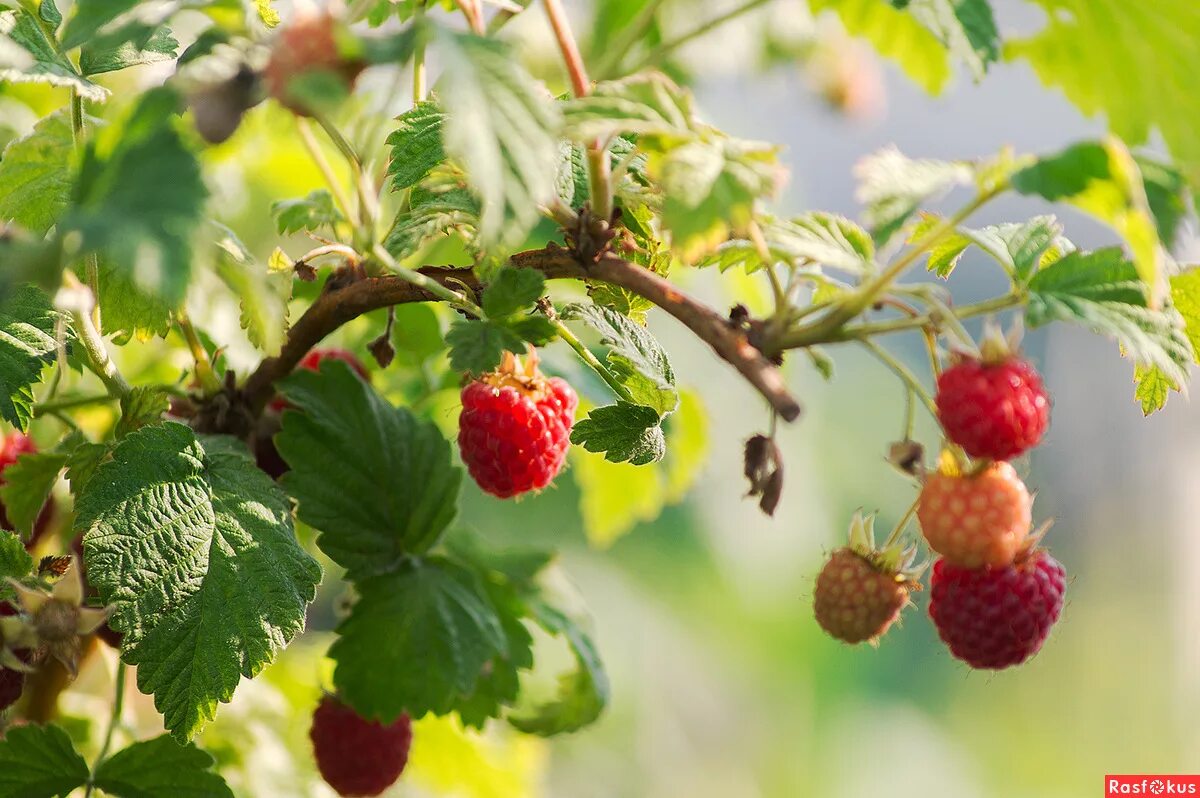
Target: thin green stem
[(204, 368), (660, 53), (861, 331), (906, 376), (426, 283), (617, 50), (900, 526), (318, 156), (98, 358), (113, 721), (587, 357), (368, 199), (70, 403)]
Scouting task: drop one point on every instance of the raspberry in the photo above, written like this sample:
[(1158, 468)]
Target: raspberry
[(357, 756), (308, 47), (995, 410), (997, 617), (976, 520), (515, 427), (13, 446)]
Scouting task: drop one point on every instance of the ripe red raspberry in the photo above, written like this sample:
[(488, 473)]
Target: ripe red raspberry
[(995, 410), (976, 520), (13, 446), (515, 427), (312, 44), (358, 757), (997, 617)]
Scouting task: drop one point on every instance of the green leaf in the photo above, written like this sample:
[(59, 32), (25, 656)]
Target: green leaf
[(1017, 247), (500, 683), (945, 254), (1142, 85), (826, 239), (417, 334), (624, 432), (39, 762), (893, 187), (896, 35), (264, 290), (161, 46), (15, 563), (35, 175), (144, 405), (433, 214), (38, 58), (1152, 385), (369, 516), (26, 486), (967, 28), (82, 465), (648, 104), (1101, 291), (140, 196), (636, 358), (313, 212), (441, 630), (512, 290), (477, 346), (582, 693), (416, 145), (502, 130), (194, 546), (1151, 388), (27, 344), (159, 768)]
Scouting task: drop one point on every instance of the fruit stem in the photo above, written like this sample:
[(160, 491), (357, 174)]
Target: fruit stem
[(204, 369), (586, 355), (113, 721), (905, 375), (79, 301), (898, 530), (418, 70), (427, 283), (660, 53)]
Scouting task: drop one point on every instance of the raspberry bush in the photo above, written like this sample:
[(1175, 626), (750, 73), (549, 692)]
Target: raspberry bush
[(187, 460)]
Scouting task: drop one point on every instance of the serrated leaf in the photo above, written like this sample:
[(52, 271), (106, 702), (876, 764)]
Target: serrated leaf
[(159, 768), (369, 516), (501, 128), (82, 464), (1139, 87), (27, 344), (477, 346), (160, 46), (582, 693), (25, 486), (432, 215), (636, 358), (194, 546), (416, 145), (500, 684), (648, 104), (41, 62), (15, 563), (139, 198), (39, 762), (35, 175), (143, 405), (313, 212), (1151, 388), (441, 631), (512, 290), (895, 35), (893, 187), (826, 239), (967, 28), (946, 252), (1018, 247), (1152, 385), (624, 432), (1101, 290)]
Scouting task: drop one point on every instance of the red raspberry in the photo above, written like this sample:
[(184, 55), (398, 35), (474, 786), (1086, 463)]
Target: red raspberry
[(995, 410), (515, 428), (357, 756), (856, 601), (997, 617), (308, 46), (976, 520), (13, 446)]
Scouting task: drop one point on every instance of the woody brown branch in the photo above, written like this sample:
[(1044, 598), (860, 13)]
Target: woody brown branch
[(342, 302)]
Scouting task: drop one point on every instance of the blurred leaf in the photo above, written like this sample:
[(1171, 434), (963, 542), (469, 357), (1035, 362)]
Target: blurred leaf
[(647, 104), (1152, 384), (15, 563), (687, 446), (624, 432), (1151, 388), (313, 212), (442, 630), (161, 46), (263, 290), (417, 333), (161, 767), (512, 290), (27, 345), (637, 359), (945, 254), (1144, 84), (35, 174), (39, 762), (26, 486), (896, 35), (502, 129), (433, 214), (1017, 247), (893, 187), (41, 61), (221, 583), (416, 145), (369, 517), (967, 28)]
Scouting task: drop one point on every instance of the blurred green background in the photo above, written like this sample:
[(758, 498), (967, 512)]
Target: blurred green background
[(723, 686)]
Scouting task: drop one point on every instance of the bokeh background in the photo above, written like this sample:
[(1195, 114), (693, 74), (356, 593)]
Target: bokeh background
[(722, 684)]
